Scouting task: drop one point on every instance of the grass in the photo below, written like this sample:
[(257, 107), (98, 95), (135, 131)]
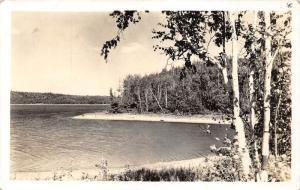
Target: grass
[(216, 169), (222, 168), (145, 174)]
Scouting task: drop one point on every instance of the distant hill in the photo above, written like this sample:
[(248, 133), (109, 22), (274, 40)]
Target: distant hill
[(51, 98)]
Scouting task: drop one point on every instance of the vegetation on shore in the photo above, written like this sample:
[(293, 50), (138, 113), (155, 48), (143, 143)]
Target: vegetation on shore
[(201, 91), (220, 168), (165, 92), (223, 168), (52, 98)]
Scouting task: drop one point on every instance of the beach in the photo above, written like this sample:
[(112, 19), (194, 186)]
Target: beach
[(209, 119)]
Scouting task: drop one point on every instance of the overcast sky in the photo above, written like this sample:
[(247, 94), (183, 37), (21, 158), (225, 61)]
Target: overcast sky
[(60, 52)]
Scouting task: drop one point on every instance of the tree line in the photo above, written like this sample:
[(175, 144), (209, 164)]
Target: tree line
[(200, 91), (52, 98)]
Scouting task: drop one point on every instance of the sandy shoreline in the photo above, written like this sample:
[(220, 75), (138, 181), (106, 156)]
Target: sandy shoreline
[(210, 119), (92, 173)]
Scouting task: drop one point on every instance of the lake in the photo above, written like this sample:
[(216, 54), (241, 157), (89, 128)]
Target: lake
[(46, 138)]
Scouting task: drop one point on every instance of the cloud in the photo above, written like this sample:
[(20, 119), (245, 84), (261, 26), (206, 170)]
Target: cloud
[(132, 47)]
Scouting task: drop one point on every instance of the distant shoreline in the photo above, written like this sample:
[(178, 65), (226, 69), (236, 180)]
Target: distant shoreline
[(53, 98), (209, 119), (56, 104)]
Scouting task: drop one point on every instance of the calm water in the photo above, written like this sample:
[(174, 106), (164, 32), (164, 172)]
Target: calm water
[(46, 138)]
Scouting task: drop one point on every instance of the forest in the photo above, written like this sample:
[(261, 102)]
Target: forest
[(52, 98), (180, 91), (249, 80)]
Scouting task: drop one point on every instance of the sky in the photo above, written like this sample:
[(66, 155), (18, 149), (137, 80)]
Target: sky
[(60, 52)]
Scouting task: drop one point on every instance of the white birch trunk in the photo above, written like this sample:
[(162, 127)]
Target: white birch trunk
[(267, 94), (237, 120), (166, 98), (139, 98), (225, 77), (159, 92), (223, 69), (156, 100), (146, 99)]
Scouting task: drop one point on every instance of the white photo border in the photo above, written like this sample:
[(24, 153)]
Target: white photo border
[(7, 7)]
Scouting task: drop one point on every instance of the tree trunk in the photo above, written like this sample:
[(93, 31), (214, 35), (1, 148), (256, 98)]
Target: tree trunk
[(158, 93), (275, 126), (121, 99), (156, 100), (267, 95), (139, 98), (146, 100), (225, 77), (253, 116), (166, 97), (237, 120), (224, 31), (224, 67)]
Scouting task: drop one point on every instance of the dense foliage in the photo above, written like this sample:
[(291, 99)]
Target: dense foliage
[(165, 92), (200, 92)]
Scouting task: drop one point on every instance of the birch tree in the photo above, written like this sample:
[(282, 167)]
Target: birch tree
[(237, 121), (275, 39), (267, 90)]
